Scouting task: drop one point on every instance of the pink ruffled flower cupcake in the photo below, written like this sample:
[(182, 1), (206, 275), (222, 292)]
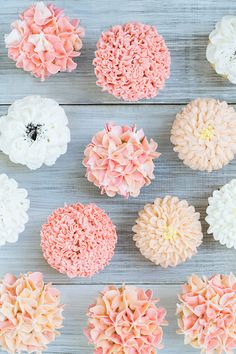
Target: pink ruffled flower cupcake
[(44, 41), (125, 320), (30, 313), (78, 240), (119, 160), (207, 313), (132, 61)]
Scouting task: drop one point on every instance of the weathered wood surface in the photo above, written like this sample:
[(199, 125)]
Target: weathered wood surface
[(185, 24), (49, 188)]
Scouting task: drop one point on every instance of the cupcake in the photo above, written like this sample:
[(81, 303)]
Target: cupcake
[(34, 132), (125, 320), (168, 232), (30, 313), (132, 61), (207, 313), (204, 134), (119, 160), (13, 210), (221, 215), (43, 41), (221, 48), (78, 240)]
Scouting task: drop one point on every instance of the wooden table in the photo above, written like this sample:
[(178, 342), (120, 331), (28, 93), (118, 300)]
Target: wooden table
[(185, 24)]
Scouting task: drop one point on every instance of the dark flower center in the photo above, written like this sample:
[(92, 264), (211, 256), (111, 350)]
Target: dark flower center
[(33, 131)]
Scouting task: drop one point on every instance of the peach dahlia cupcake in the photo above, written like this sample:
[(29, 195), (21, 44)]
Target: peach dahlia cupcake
[(204, 134), (168, 232)]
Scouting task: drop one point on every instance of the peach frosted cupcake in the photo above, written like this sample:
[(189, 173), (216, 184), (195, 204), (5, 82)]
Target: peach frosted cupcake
[(204, 134), (168, 232)]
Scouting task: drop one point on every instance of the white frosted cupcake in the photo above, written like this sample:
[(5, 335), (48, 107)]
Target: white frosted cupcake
[(221, 50), (221, 215), (13, 210), (34, 132)]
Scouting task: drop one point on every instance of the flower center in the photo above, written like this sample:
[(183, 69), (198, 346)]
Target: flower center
[(207, 133), (33, 131), (169, 233)]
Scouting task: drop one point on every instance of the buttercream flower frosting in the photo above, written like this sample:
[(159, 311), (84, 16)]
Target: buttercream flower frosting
[(13, 210), (204, 134), (221, 50), (30, 313), (221, 214), (43, 41), (119, 160), (207, 313), (132, 61), (168, 232), (125, 320), (78, 240), (34, 132)]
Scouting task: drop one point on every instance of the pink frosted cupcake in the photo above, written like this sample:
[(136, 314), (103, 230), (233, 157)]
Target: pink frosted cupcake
[(30, 313), (132, 61), (44, 41), (125, 320), (119, 160), (78, 240), (207, 313), (204, 134), (168, 232)]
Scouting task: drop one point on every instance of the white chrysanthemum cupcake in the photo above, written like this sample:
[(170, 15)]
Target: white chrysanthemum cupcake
[(221, 215), (34, 132), (221, 50), (13, 210)]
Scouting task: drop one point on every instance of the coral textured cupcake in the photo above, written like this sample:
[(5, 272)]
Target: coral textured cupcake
[(221, 215), (34, 132), (30, 313), (204, 134), (132, 61), (168, 232), (78, 240), (221, 48), (125, 320), (13, 209), (207, 313), (44, 41), (119, 160)]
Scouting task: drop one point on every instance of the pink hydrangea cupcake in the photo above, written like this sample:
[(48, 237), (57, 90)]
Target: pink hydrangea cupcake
[(132, 61), (125, 320), (44, 41), (30, 313), (207, 313), (119, 160), (78, 240)]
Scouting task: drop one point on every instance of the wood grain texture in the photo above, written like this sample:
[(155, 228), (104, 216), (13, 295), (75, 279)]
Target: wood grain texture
[(49, 188), (185, 24)]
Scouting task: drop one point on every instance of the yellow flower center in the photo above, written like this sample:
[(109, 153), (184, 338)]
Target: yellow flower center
[(169, 233), (207, 133)]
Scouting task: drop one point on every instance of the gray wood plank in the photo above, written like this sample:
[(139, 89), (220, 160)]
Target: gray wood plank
[(185, 24), (50, 188), (77, 298)]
